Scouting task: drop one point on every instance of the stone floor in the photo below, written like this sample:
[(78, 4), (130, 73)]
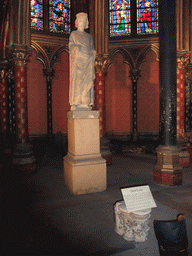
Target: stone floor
[(40, 217)]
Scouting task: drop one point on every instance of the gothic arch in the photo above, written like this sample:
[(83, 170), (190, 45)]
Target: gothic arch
[(128, 58), (50, 56), (141, 58)]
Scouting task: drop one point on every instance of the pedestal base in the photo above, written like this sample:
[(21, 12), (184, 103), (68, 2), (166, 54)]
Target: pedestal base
[(168, 170), (85, 175), (84, 168), (184, 158), (105, 152)]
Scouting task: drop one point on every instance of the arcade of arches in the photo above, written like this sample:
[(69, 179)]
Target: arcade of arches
[(34, 85)]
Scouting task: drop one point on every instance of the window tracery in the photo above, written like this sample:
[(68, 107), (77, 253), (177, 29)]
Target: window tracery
[(55, 13), (127, 16)]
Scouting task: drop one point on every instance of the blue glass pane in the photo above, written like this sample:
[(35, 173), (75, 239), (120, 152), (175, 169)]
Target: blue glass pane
[(55, 2), (59, 16), (37, 14), (147, 17), (119, 17)]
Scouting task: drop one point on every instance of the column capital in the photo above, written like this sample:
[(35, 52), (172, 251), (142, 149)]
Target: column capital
[(101, 63), (49, 74), (182, 59), (188, 73), (19, 54), (3, 68), (134, 74)]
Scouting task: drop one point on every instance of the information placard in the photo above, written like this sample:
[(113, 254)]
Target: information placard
[(138, 198)]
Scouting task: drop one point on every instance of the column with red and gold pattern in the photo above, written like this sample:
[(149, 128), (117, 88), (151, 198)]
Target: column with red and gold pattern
[(3, 110), (99, 104), (22, 154), (182, 58), (20, 57), (99, 91), (3, 98)]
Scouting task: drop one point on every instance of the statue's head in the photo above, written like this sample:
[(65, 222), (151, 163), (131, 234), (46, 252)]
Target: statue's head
[(82, 20)]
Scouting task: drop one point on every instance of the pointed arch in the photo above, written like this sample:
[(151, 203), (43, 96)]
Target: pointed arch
[(128, 58)]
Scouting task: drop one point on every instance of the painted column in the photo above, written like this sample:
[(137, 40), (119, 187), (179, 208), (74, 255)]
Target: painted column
[(99, 90), (99, 10), (3, 100), (134, 75), (181, 63), (168, 170), (99, 104), (188, 100), (49, 74), (23, 157), (3, 111)]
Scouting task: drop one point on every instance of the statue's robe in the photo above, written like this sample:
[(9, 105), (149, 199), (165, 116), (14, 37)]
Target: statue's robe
[(82, 72)]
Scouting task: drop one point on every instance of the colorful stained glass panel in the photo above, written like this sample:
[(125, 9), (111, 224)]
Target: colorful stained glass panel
[(37, 14), (59, 16), (147, 17), (120, 17)]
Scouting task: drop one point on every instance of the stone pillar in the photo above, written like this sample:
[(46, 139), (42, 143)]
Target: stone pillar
[(23, 158), (3, 101), (3, 110), (99, 104), (167, 170), (49, 74), (182, 58), (134, 75), (188, 101), (101, 41)]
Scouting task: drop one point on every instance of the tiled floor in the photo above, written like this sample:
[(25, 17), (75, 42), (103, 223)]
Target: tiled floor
[(41, 217)]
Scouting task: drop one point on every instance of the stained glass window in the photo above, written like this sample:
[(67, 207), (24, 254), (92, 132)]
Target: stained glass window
[(120, 17), (37, 14), (59, 16), (147, 17)]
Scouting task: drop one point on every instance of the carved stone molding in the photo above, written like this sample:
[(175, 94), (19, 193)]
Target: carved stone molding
[(19, 55), (101, 63), (48, 55), (182, 59), (49, 74), (3, 68), (188, 73), (134, 74)]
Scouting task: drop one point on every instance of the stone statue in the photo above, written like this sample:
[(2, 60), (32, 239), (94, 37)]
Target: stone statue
[(82, 72)]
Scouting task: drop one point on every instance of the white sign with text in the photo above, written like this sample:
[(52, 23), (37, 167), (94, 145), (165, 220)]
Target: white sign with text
[(138, 198)]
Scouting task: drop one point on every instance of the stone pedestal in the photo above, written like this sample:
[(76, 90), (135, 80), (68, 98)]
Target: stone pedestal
[(84, 168), (105, 152), (184, 158), (132, 226), (168, 170)]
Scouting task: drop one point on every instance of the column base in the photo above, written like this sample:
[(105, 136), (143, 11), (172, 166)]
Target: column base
[(184, 158), (135, 136), (168, 178), (168, 170), (105, 152), (85, 175), (23, 159)]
